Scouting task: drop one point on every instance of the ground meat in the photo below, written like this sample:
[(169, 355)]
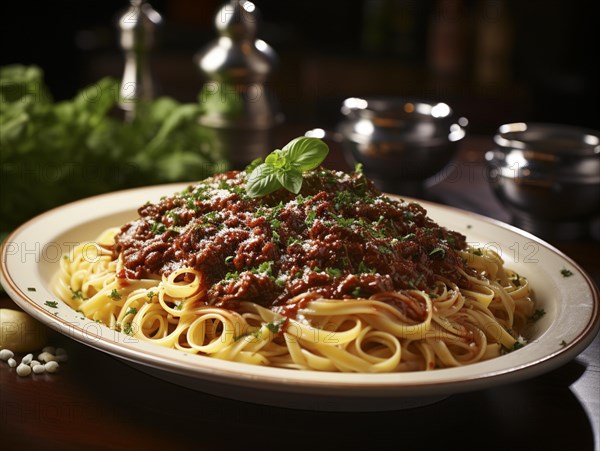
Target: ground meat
[(339, 238)]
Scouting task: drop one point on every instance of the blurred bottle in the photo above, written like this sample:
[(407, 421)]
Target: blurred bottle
[(493, 44), (238, 102), (138, 28), (448, 38)]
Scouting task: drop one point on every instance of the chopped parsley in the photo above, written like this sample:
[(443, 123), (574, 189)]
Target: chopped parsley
[(191, 204), (128, 329), (232, 275), (158, 228), (563, 343), (174, 216), (115, 295), (384, 250), (566, 273), (292, 240), (210, 216), (333, 272), (131, 311), (275, 326), (52, 304), (517, 345), (364, 269), (310, 217), (76, 294), (31, 289), (537, 315), (264, 268), (254, 334), (341, 221)]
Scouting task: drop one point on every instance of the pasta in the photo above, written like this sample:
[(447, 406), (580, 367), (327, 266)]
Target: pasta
[(337, 278)]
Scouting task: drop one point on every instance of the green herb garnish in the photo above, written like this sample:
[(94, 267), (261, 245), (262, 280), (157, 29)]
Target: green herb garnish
[(275, 326), (333, 272), (310, 217), (517, 345), (52, 304), (537, 315), (232, 275), (158, 228), (364, 269), (131, 311), (283, 168), (128, 329), (566, 273), (114, 294)]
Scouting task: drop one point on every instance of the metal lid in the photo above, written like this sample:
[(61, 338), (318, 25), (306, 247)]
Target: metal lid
[(551, 139)]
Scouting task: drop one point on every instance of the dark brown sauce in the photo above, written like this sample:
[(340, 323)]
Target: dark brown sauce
[(339, 238)]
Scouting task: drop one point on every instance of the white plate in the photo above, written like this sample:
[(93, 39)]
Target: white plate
[(30, 257)]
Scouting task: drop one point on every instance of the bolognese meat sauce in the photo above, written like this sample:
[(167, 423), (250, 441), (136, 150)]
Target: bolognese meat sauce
[(338, 238)]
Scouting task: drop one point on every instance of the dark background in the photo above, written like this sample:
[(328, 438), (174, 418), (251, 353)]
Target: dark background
[(546, 67)]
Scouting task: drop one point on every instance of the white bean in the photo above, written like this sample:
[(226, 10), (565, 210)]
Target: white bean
[(46, 357), (27, 359), (60, 351), (39, 369), (6, 354), (49, 349), (23, 370), (51, 367), (12, 362)]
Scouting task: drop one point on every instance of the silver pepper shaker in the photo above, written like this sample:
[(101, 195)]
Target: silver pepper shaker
[(238, 102), (137, 26)]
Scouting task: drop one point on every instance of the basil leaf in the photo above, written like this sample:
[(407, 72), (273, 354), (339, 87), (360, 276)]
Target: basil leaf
[(262, 181), (290, 179), (305, 153), (284, 168), (277, 159)]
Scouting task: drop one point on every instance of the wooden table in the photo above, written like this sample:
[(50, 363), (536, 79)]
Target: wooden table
[(99, 402)]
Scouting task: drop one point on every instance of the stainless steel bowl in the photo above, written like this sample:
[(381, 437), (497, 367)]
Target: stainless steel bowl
[(548, 176), (400, 142)]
